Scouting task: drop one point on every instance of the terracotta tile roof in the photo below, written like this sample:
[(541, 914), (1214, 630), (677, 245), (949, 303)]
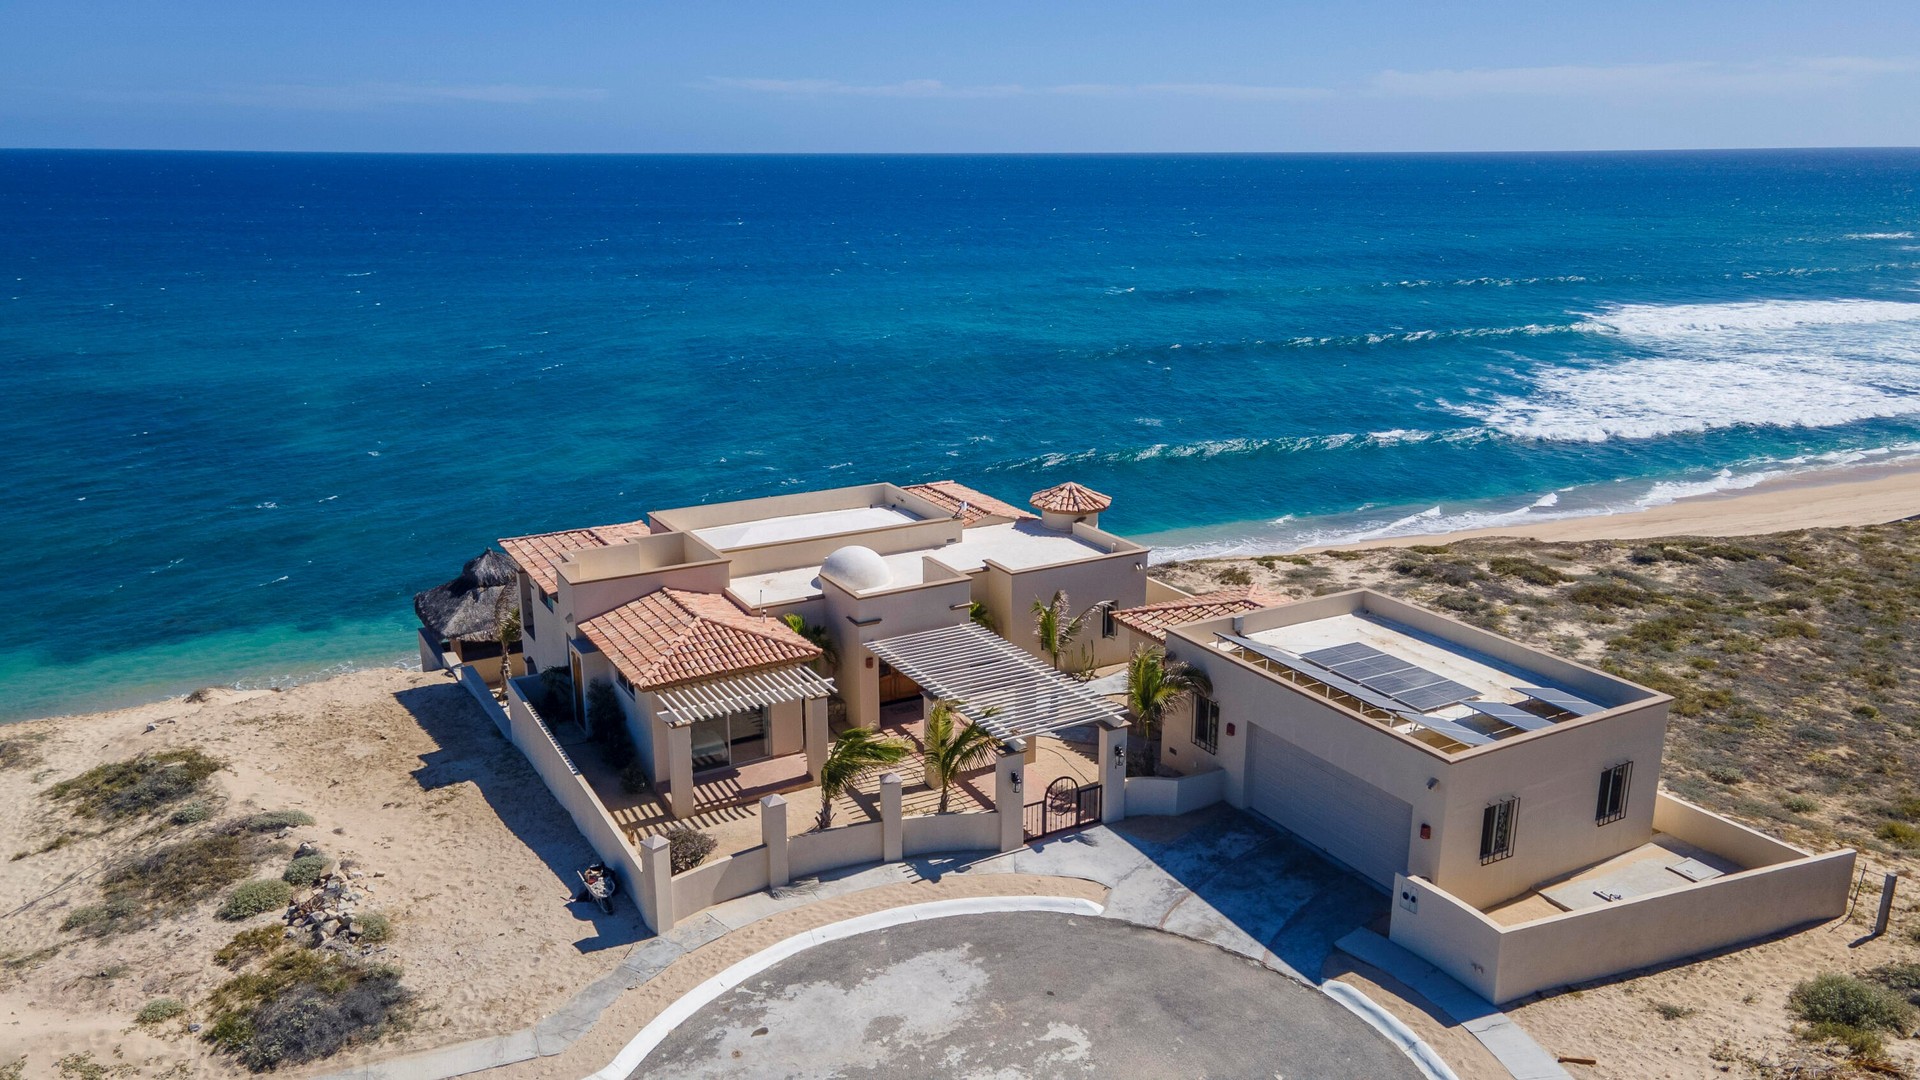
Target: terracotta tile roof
[(1070, 498), (951, 497), (670, 637), (1153, 620), (536, 554)]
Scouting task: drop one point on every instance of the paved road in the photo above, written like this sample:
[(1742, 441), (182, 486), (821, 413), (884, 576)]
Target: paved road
[(1025, 994)]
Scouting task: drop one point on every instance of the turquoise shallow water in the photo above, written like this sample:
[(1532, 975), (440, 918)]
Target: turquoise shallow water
[(256, 401)]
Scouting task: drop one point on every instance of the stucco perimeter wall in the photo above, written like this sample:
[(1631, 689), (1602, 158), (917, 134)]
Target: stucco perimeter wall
[(1171, 796), (1159, 592), (716, 882), (1745, 846), (1120, 577), (851, 845), (923, 835), (1504, 963), (577, 798)]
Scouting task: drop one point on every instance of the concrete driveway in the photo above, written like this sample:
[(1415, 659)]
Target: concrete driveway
[(1023, 994)]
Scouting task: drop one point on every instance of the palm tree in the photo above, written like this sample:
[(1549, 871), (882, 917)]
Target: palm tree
[(854, 754), (506, 630), (1053, 628), (1156, 684), (954, 747), (981, 615), (816, 636)]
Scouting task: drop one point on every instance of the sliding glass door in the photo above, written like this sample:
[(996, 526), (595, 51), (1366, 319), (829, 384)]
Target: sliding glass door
[(730, 740)]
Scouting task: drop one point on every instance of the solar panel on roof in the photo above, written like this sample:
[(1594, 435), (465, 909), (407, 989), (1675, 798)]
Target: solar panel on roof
[(1455, 731), (1404, 681), (1372, 667), (1438, 696), (1510, 714), (1560, 699), (1330, 678), (1341, 654)]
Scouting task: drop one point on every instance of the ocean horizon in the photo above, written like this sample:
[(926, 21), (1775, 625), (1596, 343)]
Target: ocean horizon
[(260, 399)]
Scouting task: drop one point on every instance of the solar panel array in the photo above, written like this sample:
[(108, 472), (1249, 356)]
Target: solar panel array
[(1513, 715), (1562, 700), (1407, 683)]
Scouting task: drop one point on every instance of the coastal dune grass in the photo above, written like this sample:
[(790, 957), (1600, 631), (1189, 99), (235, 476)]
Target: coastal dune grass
[(295, 1005), (139, 785), (138, 888)]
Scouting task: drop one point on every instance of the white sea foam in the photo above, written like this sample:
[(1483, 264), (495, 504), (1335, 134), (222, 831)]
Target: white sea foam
[(1783, 363), (1879, 236)]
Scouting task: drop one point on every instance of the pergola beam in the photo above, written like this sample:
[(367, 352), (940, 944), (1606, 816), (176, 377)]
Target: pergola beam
[(997, 685)]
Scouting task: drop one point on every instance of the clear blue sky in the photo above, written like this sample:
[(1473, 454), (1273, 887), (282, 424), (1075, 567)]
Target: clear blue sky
[(712, 75)]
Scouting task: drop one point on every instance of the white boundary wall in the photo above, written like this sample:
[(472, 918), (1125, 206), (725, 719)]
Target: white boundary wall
[(1501, 963), (1171, 796)]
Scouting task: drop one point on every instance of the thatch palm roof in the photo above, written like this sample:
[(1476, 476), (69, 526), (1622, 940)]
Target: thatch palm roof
[(464, 609)]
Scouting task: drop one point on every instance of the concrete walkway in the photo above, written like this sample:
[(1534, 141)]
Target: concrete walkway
[(1216, 875)]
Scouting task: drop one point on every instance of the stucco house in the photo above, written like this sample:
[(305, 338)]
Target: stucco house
[(1506, 798), (685, 611)]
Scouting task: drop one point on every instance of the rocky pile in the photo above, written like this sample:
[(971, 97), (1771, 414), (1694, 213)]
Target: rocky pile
[(327, 916)]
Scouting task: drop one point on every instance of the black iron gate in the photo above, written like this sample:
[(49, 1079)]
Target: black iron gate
[(1065, 805)]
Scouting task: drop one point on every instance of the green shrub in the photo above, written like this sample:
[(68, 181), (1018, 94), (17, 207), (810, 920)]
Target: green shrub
[(192, 813), (1902, 833), (1903, 977), (1725, 774), (1860, 1042), (1607, 594), (1849, 1002), (373, 927), (307, 869), (688, 847), (274, 820), (1800, 804), (1233, 575), (111, 916), (186, 872), (1345, 556), (633, 777), (255, 897), (138, 785), (159, 1009)]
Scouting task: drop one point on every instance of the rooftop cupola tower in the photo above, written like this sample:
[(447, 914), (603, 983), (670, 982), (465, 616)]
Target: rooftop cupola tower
[(1062, 505)]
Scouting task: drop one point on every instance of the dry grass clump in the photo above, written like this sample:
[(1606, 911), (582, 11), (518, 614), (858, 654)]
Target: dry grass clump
[(138, 785), (1786, 655), (298, 1005), (141, 887)]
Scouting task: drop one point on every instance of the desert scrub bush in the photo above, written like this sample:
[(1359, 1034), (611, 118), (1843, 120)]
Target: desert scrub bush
[(633, 777), (159, 1009), (302, 1005), (1903, 977), (1849, 1010), (138, 785), (275, 820), (307, 869), (1233, 575), (111, 916), (1344, 555), (687, 847), (248, 944), (1667, 1010), (1726, 774), (254, 897), (175, 876), (1527, 570), (1608, 594), (1899, 833), (373, 927), (1800, 804), (192, 813)]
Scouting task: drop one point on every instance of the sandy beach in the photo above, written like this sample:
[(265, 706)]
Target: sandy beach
[(1857, 496)]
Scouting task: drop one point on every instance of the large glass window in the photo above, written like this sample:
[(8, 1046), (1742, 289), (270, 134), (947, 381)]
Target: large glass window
[(730, 740)]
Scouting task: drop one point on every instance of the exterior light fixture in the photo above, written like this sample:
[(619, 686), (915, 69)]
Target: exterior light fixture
[(1119, 754), (1432, 782), (1016, 779)]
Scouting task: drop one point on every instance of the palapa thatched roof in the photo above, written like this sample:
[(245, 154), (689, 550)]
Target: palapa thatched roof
[(464, 609)]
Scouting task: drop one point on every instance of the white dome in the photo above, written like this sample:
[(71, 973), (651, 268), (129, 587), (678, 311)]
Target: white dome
[(857, 569)]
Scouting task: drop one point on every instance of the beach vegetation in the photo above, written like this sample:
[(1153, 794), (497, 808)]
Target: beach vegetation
[(167, 878), (159, 1009), (373, 927), (248, 945), (256, 897), (953, 747), (275, 820), (633, 777), (688, 847), (192, 813), (1345, 555), (1232, 575), (1056, 629), (1531, 571), (306, 870), (298, 1005), (1851, 1011), (1667, 1010), (139, 785), (1608, 593), (1800, 804), (855, 754), (20, 751)]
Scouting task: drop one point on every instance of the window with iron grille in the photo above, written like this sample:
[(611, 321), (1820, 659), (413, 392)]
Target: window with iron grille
[(1496, 830), (1612, 804), (1206, 723)]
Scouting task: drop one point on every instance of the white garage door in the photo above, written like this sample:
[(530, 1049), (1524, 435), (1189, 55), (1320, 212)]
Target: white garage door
[(1332, 809)]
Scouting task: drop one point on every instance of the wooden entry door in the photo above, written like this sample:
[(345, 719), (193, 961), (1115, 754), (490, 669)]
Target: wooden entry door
[(895, 686)]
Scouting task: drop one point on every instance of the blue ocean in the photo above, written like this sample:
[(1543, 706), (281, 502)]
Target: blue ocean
[(256, 401)]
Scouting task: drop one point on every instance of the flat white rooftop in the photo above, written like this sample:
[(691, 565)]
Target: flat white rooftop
[(1019, 545), (1493, 680), (802, 526)]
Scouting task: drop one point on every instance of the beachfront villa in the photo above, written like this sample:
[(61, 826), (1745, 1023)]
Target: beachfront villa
[(1505, 799)]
